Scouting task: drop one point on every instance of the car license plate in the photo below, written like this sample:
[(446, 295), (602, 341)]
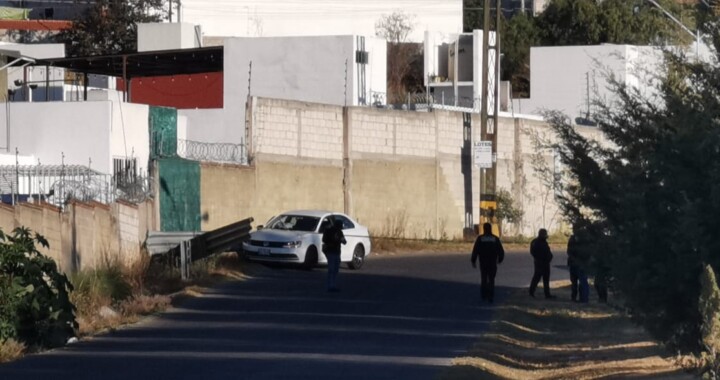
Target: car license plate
[(264, 251)]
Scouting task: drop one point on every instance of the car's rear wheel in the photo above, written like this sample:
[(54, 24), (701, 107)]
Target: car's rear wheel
[(311, 258), (358, 257)]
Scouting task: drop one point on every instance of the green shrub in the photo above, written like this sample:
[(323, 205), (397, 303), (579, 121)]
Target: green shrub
[(709, 305), (35, 307)]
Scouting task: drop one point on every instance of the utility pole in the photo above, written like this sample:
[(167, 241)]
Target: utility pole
[(170, 12), (489, 123)]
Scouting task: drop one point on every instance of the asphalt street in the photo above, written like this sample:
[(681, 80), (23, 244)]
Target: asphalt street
[(399, 317)]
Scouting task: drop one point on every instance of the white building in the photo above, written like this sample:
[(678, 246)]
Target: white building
[(256, 18), (336, 70), (571, 79), (453, 69)]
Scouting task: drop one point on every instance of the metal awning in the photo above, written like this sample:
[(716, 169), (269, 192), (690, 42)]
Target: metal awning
[(144, 64)]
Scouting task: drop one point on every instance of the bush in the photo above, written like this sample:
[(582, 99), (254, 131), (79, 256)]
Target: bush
[(709, 305), (35, 307)]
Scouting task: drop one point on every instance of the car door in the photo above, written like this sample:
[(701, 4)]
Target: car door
[(350, 233)]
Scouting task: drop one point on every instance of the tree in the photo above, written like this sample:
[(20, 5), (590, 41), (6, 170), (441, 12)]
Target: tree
[(395, 27), (709, 304), (578, 22), (508, 210), (652, 196), (570, 22), (402, 57), (518, 35), (110, 27)]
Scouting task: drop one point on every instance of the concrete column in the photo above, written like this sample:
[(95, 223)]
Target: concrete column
[(347, 162)]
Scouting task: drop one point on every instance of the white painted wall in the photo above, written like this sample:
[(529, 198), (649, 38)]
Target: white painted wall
[(39, 51), (253, 18), (12, 160), (211, 125), (559, 76), (130, 135), (82, 131), (310, 69), (167, 36)]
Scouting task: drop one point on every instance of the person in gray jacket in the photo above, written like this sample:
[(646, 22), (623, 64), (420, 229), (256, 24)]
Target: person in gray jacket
[(540, 251)]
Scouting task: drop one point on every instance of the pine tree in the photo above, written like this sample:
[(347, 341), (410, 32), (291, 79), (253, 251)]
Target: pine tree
[(652, 196)]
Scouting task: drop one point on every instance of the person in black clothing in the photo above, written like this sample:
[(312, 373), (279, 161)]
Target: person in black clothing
[(332, 238), (489, 251), (577, 264), (540, 251)]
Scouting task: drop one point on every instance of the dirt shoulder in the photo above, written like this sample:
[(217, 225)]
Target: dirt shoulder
[(534, 338)]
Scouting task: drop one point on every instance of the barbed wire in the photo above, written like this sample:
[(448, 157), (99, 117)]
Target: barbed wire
[(60, 184), (213, 152)]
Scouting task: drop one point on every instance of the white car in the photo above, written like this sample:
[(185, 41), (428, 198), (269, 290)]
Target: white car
[(296, 237)]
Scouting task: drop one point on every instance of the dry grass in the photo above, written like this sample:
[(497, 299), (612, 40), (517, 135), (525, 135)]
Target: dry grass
[(392, 246), (140, 289), (557, 339), (382, 245), (11, 350)]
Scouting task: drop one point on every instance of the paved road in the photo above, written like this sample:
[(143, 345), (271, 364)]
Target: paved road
[(400, 317)]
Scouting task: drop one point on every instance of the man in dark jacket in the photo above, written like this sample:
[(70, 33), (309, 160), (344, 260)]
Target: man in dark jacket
[(332, 238), (540, 251), (489, 250)]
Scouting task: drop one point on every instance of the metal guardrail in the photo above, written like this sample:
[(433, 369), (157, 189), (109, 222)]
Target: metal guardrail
[(186, 247), (159, 243)]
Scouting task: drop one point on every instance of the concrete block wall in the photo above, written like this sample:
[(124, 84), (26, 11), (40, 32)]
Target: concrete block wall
[(393, 132), (289, 128), (129, 229), (384, 145), (84, 235), (230, 193), (7, 218)]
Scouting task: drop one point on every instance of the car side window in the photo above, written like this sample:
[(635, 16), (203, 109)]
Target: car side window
[(346, 223), (324, 225)]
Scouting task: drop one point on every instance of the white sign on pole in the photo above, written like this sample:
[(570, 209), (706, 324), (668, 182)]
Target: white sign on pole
[(482, 154)]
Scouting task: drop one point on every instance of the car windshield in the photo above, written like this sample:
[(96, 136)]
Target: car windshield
[(293, 223)]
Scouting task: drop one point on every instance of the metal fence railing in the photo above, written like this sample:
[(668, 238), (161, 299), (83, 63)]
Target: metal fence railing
[(425, 102), (59, 184), (181, 249)]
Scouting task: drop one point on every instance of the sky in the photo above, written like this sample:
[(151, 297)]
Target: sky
[(317, 17)]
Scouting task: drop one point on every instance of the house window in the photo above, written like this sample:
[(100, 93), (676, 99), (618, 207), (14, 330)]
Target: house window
[(124, 170)]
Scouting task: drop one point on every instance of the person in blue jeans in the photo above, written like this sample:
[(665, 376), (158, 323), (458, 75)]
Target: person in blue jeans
[(577, 263), (332, 239)]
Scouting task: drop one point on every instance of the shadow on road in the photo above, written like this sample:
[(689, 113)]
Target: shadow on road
[(393, 320)]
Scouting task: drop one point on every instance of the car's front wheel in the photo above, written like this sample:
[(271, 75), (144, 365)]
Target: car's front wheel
[(311, 258), (358, 258)]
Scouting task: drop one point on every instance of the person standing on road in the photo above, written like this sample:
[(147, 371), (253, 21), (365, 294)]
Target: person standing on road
[(577, 264), (540, 251), (332, 238), (489, 251)]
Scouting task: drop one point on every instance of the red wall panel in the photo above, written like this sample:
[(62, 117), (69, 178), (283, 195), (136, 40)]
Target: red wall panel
[(178, 91)]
